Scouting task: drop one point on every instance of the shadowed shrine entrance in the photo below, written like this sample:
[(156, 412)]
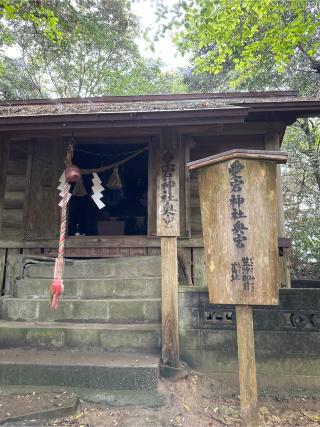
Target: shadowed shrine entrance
[(125, 194)]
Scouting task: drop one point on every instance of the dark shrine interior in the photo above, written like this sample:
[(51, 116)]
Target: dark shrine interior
[(125, 211)]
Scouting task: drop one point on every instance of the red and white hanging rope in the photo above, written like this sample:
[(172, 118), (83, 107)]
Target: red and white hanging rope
[(56, 287)]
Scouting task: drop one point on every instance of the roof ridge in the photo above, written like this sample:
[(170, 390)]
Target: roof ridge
[(142, 98)]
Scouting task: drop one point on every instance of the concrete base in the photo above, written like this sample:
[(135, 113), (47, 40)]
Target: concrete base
[(149, 399), (116, 371), (67, 409), (81, 336)]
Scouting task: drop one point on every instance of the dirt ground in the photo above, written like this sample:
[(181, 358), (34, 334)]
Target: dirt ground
[(194, 401)]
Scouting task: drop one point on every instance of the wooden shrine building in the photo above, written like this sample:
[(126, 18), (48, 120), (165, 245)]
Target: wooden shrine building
[(148, 197)]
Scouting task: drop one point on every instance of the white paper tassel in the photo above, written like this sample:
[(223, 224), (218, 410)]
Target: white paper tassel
[(60, 187), (97, 189)]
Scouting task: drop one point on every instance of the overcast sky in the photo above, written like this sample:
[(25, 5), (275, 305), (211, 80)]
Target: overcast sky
[(164, 48)]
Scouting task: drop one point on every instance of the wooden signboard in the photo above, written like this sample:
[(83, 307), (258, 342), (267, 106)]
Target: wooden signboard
[(239, 211), (168, 218), (240, 222)]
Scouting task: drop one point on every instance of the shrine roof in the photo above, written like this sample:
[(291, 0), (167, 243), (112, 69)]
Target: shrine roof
[(238, 105)]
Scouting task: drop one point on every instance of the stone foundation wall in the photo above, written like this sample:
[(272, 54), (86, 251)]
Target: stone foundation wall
[(287, 338)]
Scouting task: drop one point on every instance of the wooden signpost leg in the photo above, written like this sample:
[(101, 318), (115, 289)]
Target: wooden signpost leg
[(247, 366), (169, 291)]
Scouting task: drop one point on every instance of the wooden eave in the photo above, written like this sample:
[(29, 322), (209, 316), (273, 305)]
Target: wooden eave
[(233, 114), (152, 111)]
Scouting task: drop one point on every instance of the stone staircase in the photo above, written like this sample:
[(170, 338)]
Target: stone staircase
[(105, 335)]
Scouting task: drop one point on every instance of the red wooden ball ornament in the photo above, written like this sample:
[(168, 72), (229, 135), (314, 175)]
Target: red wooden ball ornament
[(73, 173)]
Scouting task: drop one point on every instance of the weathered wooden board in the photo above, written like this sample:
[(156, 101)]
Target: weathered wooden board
[(14, 200), (272, 142), (240, 222), (199, 267), (4, 154), (168, 217), (184, 187), (15, 182), (17, 167), (153, 166), (12, 218), (10, 270), (100, 242), (3, 255), (205, 146), (169, 298), (43, 214)]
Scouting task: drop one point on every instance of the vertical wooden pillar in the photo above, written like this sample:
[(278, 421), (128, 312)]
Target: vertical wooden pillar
[(4, 158), (3, 254), (168, 228), (11, 265), (272, 142), (247, 366), (169, 294)]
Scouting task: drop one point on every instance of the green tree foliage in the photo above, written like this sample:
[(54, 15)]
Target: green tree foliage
[(250, 34), (97, 54), (301, 196), (33, 13)]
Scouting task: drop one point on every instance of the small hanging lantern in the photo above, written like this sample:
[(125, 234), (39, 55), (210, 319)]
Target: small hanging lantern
[(73, 173)]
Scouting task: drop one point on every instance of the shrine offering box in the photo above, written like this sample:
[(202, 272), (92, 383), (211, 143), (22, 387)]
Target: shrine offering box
[(239, 211), (111, 228)]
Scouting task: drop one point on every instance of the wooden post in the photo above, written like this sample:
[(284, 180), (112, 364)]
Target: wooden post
[(168, 228), (11, 264), (272, 142), (247, 366), (238, 195), (169, 294), (4, 158), (3, 255)]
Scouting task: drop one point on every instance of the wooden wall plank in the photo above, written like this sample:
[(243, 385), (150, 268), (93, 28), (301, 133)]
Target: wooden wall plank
[(4, 155), (3, 254), (12, 218), (272, 142), (153, 167), (10, 270), (42, 215), (185, 266), (17, 167), (15, 182), (14, 199), (199, 268), (184, 187)]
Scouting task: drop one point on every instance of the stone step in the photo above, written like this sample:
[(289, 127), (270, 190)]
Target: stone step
[(95, 370), (144, 266), (91, 288), (145, 310), (93, 336)]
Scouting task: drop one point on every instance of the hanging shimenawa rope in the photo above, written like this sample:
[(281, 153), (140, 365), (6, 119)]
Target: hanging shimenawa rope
[(114, 181), (56, 287), (112, 165)]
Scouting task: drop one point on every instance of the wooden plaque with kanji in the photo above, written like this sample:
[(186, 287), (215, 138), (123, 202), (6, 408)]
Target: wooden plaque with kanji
[(238, 197)]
